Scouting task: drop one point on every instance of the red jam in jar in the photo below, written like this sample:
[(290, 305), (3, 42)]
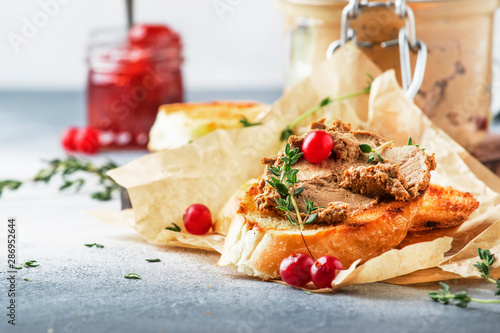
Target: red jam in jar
[(130, 76)]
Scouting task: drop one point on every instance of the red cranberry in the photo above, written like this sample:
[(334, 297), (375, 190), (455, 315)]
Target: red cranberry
[(323, 271), (317, 146), (197, 219), (295, 269), (68, 139), (87, 141)]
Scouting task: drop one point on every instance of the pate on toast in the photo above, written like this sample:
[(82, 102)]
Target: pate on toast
[(366, 207)]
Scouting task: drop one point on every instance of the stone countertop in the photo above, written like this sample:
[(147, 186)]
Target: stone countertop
[(79, 289)]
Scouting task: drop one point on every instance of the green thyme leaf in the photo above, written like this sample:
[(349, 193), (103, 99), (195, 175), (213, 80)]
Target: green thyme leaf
[(311, 218), (325, 101), (30, 263), (132, 276), (94, 244), (26, 279), (299, 191), (307, 292), (175, 228), (153, 260), (275, 171), (370, 77), (291, 219), (365, 148), (10, 185), (247, 123), (282, 189), (287, 132)]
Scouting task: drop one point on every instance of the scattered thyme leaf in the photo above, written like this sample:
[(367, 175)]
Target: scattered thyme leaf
[(26, 279), (247, 123), (365, 148), (10, 185), (132, 276), (410, 143), (67, 167), (29, 264), (94, 244), (153, 260), (175, 228), (307, 292)]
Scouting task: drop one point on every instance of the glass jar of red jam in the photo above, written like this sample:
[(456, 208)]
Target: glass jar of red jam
[(130, 76)]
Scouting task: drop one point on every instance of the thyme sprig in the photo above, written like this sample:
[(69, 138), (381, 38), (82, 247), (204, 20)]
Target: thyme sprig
[(247, 123), (67, 167), (460, 299), (285, 186), (484, 267), (367, 149), (288, 131), (284, 179)]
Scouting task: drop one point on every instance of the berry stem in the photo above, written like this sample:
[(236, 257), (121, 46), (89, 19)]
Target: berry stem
[(299, 220)]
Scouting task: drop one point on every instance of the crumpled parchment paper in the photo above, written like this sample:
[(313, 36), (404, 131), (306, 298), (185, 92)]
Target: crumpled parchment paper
[(162, 185)]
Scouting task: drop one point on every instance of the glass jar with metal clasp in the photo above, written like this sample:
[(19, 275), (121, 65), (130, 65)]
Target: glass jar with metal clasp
[(448, 40)]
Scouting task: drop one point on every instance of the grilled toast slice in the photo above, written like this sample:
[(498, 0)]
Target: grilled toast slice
[(443, 211), (178, 124), (256, 244), (366, 208), (443, 207)]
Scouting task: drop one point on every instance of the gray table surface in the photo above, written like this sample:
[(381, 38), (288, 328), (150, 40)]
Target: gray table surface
[(80, 289)]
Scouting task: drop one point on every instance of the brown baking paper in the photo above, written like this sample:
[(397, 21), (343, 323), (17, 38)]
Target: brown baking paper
[(211, 169)]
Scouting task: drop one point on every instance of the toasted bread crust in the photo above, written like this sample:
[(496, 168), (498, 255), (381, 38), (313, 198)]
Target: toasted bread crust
[(178, 124), (255, 248), (215, 110), (443, 208)]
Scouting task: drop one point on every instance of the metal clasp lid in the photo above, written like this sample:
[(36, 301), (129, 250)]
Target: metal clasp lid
[(406, 41)]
